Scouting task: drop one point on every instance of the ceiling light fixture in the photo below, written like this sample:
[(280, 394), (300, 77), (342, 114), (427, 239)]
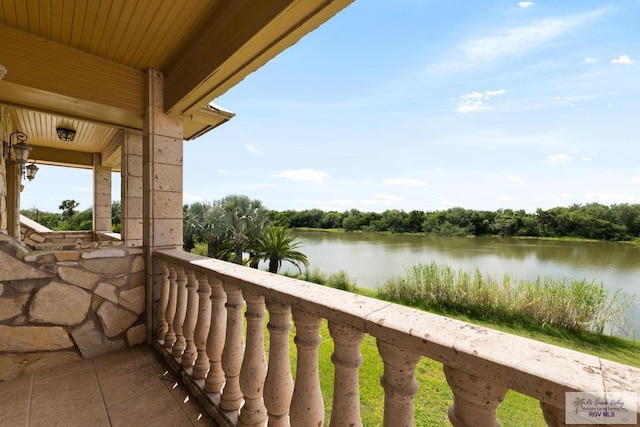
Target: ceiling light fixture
[(65, 134)]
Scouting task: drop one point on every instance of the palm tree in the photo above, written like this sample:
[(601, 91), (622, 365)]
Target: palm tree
[(203, 223), (244, 220), (276, 245), (228, 225)]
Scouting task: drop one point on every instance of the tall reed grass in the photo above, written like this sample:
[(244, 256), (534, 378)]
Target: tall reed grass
[(339, 280), (575, 305)]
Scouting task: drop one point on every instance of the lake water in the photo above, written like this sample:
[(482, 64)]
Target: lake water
[(371, 259)]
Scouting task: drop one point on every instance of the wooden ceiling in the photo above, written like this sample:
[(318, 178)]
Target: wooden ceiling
[(82, 63)]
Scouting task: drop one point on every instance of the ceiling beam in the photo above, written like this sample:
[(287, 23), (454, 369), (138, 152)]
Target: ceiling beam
[(58, 79), (59, 157), (238, 39)]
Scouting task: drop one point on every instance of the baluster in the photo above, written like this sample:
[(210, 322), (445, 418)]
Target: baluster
[(201, 367), (254, 364), (347, 359), (399, 383), (231, 398), (181, 312), (191, 319), (217, 333), (278, 387), (307, 407), (474, 399), (170, 336), (163, 326)]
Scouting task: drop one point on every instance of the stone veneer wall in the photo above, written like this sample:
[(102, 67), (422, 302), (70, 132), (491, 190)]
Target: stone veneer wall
[(58, 306)]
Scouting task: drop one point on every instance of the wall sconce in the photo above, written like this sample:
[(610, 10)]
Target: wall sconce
[(31, 171), (65, 134), (18, 153)]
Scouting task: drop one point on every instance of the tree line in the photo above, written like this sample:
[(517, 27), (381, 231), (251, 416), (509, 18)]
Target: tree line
[(243, 219), (618, 222)]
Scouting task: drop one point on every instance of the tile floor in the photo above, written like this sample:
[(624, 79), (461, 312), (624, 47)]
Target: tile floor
[(128, 388)]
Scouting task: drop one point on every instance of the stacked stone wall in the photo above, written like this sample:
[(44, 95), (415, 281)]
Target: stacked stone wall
[(61, 240), (58, 306)]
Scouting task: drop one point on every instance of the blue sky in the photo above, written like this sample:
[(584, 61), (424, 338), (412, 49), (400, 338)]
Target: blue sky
[(418, 104)]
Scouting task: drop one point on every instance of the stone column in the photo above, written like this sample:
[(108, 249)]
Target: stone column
[(101, 196), (161, 183), (131, 189)]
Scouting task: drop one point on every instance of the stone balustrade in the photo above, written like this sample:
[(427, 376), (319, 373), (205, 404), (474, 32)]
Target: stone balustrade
[(199, 328)]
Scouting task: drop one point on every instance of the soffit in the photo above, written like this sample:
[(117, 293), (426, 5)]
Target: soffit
[(137, 34), (84, 61)]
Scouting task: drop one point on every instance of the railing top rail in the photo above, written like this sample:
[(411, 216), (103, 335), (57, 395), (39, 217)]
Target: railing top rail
[(539, 370)]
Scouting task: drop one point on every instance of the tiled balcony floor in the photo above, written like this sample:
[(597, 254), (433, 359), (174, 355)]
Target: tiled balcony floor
[(128, 388)]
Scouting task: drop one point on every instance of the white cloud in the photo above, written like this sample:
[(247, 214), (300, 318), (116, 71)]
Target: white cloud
[(406, 181), (556, 159), (253, 150), (518, 40), (446, 203), (623, 59), (609, 198), (386, 198), (309, 175), (635, 179), (475, 101), (525, 4), (515, 179), (590, 60)]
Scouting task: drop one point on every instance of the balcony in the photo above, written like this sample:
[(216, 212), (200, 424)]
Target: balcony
[(77, 311), (209, 321)]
